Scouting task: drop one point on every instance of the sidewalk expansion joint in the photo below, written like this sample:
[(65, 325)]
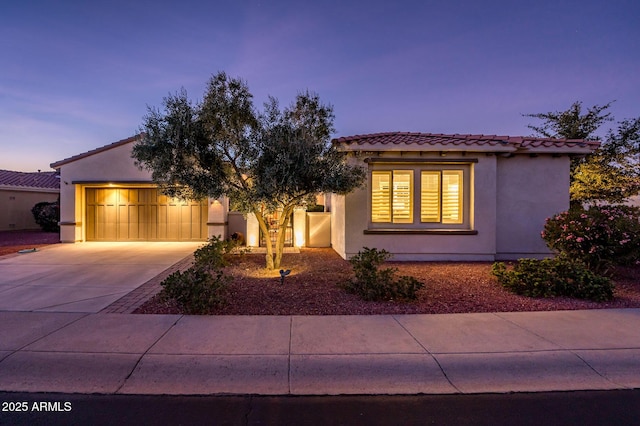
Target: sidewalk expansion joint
[(289, 355), (444, 373), (145, 353)]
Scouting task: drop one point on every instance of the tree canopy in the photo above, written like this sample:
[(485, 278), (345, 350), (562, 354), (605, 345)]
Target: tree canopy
[(268, 161), (612, 173), (572, 123)]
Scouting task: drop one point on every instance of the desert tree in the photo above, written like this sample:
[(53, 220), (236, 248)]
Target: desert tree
[(264, 162), (611, 173)]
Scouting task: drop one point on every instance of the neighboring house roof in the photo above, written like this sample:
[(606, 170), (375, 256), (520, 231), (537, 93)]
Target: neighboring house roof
[(57, 164), (28, 180), (398, 141)]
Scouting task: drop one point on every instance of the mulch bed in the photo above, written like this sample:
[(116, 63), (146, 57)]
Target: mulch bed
[(450, 287)]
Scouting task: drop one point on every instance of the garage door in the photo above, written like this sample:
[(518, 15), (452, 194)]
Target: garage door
[(142, 214)]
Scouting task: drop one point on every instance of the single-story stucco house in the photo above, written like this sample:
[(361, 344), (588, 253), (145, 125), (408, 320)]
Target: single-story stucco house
[(19, 192), (453, 197), (427, 197)]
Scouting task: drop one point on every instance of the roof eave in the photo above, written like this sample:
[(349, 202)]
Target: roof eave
[(60, 163), (353, 147), (29, 189)]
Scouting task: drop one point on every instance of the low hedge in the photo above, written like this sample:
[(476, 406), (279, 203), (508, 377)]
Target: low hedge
[(559, 276)]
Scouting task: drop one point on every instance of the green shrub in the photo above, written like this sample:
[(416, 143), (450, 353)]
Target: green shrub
[(315, 208), (601, 236), (203, 286), (211, 255), (215, 254), (372, 283), (47, 216), (196, 290), (559, 276)]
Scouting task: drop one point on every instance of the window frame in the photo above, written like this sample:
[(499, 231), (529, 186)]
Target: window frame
[(417, 167), (399, 209)]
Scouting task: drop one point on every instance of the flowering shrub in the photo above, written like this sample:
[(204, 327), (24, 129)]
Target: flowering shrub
[(600, 237)]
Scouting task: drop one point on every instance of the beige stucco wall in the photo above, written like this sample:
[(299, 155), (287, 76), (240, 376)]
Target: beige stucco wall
[(338, 231), (112, 167), (15, 213), (480, 246), (510, 199), (530, 189)]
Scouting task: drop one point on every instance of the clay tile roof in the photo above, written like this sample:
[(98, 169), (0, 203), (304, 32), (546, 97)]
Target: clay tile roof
[(455, 140), (95, 151), (46, 180)]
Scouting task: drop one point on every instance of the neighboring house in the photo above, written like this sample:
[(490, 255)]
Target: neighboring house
[(453, 197), (427, 197), (19, 192)]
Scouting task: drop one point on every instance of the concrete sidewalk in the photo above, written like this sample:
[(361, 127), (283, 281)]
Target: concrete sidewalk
[(319, 355)]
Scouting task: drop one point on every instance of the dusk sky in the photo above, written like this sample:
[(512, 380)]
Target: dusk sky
[(77, 75)]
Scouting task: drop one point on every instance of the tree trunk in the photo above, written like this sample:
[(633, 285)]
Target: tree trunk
[(282, 233), (265, 231)]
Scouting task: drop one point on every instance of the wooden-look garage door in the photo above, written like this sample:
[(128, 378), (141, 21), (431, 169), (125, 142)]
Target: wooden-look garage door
[(142, 214)]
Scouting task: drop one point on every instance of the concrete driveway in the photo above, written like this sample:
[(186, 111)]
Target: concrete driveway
[(84, 277)]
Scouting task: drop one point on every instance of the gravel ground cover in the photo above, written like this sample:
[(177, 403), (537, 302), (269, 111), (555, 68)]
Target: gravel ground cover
[(313, 288), (14, 241), (450, 287)]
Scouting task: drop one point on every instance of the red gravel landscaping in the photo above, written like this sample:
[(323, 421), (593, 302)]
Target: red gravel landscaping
[(14, 241), (313, 286), (450, 287)]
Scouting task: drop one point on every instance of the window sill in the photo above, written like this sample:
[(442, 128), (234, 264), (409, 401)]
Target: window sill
[(408, 231)]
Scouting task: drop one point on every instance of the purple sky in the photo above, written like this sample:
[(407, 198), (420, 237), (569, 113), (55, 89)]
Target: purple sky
[(77, 75)]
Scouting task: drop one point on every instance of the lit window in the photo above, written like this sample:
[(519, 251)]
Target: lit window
[(441, 196), (392, 196), (430, 196), (381, 197), (452, 196)]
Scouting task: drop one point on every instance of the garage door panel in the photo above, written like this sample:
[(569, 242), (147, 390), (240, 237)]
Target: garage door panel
[(119, 214), (185, 219), (195, 221), (136, 223)]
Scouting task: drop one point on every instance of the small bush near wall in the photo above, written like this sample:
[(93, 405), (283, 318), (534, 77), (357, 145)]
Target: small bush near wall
[(372, 283), (203, 286), (559, 276), (601, 236), (47, 215)]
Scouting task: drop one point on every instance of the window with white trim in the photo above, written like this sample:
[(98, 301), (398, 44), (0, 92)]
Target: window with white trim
[(429, 197), (392, 196), (441, 196)]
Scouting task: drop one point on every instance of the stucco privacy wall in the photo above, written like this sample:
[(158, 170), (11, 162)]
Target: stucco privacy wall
[(529, 190), (15, 213), (109, 165)]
